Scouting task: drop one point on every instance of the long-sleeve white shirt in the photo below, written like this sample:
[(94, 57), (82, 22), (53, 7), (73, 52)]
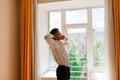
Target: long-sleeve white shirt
[(58, 49)]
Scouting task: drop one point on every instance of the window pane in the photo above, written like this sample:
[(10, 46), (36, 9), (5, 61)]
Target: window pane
[(76, 17), (77, 53), (98, 43), (98, 19), (53, 64), (55, 20)]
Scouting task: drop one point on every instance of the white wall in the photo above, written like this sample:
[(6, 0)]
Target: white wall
[(71, 4), (9, 40), (42, 51), (46, 1)]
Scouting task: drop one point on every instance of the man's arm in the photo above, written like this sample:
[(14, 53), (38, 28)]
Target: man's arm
[(63, 38), (50, 40)]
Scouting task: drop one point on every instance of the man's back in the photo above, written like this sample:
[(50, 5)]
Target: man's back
[(58, 50)]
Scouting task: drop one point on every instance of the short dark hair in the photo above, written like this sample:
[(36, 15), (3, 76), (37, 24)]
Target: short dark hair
[(54, 30)]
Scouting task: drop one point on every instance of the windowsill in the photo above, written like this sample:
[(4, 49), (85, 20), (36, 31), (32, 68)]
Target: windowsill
[(49, 74)]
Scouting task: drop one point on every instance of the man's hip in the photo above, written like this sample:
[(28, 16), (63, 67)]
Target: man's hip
[(63, 72)]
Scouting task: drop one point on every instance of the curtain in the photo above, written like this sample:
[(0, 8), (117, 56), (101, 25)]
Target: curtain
[(110, 41), (26, 40), (116, 6)]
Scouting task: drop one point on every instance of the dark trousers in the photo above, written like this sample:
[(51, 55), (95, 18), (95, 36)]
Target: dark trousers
[(63, 72)]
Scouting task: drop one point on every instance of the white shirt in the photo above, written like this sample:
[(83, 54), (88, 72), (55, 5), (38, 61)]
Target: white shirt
[(58, 49)]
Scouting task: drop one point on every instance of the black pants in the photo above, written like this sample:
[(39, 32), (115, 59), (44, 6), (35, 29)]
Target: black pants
[(63, 72)]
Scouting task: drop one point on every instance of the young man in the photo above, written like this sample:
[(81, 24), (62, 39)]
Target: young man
[(57, 43)]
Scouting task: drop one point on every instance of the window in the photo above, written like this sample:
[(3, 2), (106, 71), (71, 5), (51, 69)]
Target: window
[(85, 31), (98, 42), (98, 38), (77, 53), (55, 20), (76, 16)]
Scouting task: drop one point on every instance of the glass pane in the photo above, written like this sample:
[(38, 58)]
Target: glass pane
[(98, 43), (76, 17), (77, 53), (55, 20), (98, 19), (53, 64)]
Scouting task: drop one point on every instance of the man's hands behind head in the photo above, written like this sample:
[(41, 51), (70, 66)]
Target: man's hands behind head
[(63, 37)]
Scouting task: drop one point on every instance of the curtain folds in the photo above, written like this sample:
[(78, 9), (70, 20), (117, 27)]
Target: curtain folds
[(116, 6), (26, 40), (110, 40)]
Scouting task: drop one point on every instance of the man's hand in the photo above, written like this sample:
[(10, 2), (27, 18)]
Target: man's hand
[(63, 37), (53, 37)]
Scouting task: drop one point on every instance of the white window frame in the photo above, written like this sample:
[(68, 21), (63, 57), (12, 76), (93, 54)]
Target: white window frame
[(88, 27)]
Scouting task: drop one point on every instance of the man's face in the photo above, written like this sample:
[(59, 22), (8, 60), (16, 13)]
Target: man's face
[(57, 35)]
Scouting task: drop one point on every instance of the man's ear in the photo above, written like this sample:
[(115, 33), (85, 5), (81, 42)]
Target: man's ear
[(53, 37)]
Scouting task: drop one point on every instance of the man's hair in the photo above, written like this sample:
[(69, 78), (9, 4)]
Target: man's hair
[(54, 30)]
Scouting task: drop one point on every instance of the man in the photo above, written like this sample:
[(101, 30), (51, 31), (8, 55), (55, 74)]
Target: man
[(57, 43)]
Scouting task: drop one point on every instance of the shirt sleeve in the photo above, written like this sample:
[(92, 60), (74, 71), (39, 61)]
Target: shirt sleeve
[(49, 40)]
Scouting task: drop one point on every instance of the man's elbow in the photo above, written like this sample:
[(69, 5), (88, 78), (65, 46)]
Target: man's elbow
[(45, 37)]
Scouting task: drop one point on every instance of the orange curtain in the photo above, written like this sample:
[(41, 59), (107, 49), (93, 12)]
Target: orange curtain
[(26, 40), (116, 5)]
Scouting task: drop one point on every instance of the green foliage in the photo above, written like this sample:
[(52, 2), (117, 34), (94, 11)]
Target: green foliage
[(76, 60), (98, 53), (80, 60)]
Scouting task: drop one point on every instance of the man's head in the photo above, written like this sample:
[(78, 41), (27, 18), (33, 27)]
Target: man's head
[(56, 33)]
